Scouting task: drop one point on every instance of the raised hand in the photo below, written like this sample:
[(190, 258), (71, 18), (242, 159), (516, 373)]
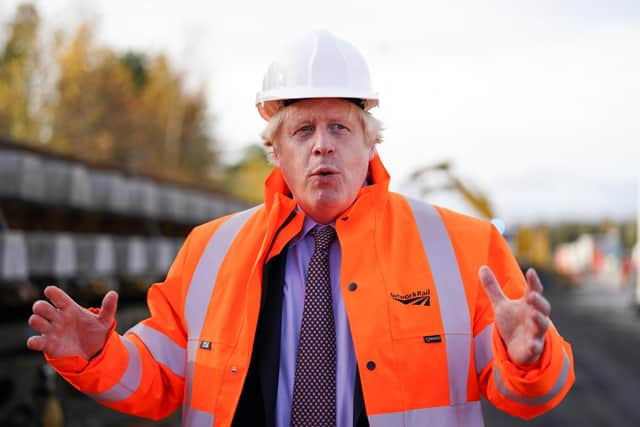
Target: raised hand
[(66, 328), (521, 322)]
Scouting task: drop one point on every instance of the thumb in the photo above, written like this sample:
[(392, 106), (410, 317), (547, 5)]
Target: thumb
[(491, 285), (108, 309)]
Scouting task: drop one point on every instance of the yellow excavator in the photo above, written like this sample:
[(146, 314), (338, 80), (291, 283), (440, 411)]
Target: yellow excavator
[(476, 198), (531, 244)]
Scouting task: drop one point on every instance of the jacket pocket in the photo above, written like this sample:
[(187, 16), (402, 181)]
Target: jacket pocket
[(208, 359), (423, 367)]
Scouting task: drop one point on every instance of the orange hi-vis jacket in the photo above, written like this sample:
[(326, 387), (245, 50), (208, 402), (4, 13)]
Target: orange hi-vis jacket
[(422, 325)]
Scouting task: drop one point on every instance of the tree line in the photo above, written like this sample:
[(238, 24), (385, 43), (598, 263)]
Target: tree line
[(68, 93)]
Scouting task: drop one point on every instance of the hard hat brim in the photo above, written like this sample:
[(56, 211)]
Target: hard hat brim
[(269, 104)]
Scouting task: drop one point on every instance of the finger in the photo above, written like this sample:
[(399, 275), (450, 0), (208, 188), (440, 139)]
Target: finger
[(533, 281), (541, 322), (44, 309), (39, 323), (58, 297), (535, 350), (108, 308), (539, 303), (491, 285), (37, 343)]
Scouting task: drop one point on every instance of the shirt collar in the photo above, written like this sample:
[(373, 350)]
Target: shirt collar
[(309, 224)]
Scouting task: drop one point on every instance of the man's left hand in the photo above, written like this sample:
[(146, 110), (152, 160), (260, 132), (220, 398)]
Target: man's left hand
[(521, 322)]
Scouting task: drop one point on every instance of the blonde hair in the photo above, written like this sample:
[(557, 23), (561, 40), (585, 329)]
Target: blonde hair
[(372, 129)]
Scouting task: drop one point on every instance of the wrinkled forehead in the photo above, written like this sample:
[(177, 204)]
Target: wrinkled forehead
[(321, 109)]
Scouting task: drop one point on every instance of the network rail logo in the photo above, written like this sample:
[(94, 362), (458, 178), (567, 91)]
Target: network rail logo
[(413, 298)]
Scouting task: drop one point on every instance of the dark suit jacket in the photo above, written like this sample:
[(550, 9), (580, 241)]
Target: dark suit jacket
[(257, 405)]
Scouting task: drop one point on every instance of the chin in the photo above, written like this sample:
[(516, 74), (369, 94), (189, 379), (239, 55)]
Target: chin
[(326, 208), (329, 200)]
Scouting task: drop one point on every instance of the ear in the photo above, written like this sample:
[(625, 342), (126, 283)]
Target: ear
[(275, 156)]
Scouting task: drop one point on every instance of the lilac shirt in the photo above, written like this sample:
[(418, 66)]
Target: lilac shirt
[(298, 256)]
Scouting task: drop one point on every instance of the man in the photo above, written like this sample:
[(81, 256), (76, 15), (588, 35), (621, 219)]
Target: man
[(336, 302)]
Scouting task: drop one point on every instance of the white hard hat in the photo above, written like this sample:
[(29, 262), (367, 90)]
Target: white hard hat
[(319, 65)]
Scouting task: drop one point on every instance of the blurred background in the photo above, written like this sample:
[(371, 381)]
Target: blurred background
[(124, 124)]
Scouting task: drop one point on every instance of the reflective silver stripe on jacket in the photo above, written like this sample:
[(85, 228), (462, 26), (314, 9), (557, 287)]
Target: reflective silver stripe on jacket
[(465, 414), (482, 348), (539, 400), (196, 418), (197, 302), (162, 348), (451, 295), (130, 380)]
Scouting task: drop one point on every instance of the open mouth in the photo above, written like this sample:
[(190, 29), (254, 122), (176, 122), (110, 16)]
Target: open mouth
[(324, 172)]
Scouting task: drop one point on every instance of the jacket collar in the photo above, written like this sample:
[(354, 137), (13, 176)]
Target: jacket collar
[(284, 222)]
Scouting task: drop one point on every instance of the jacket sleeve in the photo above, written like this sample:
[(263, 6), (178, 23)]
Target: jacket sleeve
[(142, 371), (523, 391)]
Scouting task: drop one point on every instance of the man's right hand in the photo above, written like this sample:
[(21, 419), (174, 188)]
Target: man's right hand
[(66, 328)]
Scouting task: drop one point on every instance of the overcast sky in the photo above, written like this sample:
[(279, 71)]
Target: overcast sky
[(537, 105)]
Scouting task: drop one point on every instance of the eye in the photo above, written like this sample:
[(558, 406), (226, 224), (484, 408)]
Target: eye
[(303, 130), (338, 128)]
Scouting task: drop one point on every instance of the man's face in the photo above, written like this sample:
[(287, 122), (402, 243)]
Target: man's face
[(323, 154)]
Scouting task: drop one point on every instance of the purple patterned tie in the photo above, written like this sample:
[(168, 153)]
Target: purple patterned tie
[(314, 388)]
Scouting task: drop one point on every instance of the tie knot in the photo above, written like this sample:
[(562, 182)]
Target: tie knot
[(323, 237)]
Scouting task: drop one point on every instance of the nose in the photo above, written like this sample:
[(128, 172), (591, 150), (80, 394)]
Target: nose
[(322, 142)]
